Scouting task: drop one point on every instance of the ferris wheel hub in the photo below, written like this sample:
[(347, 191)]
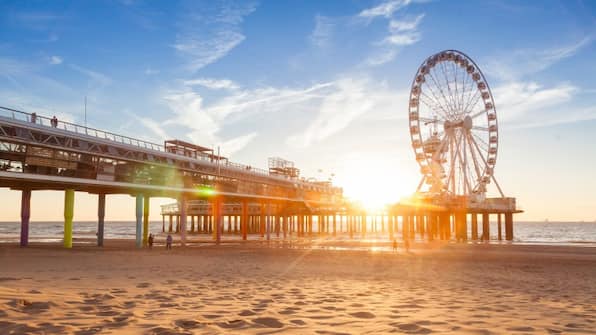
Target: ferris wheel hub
[(467, 122)]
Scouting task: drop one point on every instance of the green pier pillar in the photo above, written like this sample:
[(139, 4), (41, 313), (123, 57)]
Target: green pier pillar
[(146, 220), (68, 216), (139, 217)]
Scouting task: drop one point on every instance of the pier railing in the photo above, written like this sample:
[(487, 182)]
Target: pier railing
[(75, 128), (45, 121)]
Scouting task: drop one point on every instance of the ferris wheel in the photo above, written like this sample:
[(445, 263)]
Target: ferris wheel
[(453, 126)]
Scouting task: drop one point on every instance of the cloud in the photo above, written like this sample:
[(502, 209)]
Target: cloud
[(522, 104), (386, 9), (520, 63), (236, 144), (402, 31), (150, 71), (96, 77), (154, 126), (213, 84), (210, 32), (323, 31), (346, 100), (55, 60)]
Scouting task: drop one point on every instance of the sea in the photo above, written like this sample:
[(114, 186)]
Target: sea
[(552, 233)]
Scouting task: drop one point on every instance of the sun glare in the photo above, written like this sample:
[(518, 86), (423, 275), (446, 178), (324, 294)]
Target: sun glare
[(373, 186)]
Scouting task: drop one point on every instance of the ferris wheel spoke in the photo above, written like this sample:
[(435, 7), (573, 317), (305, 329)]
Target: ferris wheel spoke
[(454, 70), (451, 95), (436, 107), (463, 163), (480, 128), (474, 159), (481, 141), (427, 120), (472, 102), (477, 114), (430, 73)]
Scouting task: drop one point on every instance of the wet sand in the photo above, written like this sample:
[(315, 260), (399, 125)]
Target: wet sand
[(259, 289)]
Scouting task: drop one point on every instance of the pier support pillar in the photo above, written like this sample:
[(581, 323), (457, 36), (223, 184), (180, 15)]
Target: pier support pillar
[(485, 227), (101, 213), (192, 223), (145, 220), (500, 236), (68, 216), (139, 220), (474, 226), (25, 216), (509, 226), (244, 220), (182, 207), (171, 223), (218, 226)]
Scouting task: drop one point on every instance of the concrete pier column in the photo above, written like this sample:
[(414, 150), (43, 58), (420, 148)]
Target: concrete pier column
[(25, 216), (178, 222), (509, 226), (163, 223), (101, 213), (244, 220), (171, 223), (139, 220), (474, 226), (485, 227), (390, 225), (145, 219), (262, 222), (277, 225), (68, 216), (182, 206), (268, 221), (192, 223), (218, 220), (499, 226), (335, 224)]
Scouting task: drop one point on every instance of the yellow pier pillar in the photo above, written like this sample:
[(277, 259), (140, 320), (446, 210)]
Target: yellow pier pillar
[(68, 216)]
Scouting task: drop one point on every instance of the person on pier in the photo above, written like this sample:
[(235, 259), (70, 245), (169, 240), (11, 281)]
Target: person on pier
[(150, 241)]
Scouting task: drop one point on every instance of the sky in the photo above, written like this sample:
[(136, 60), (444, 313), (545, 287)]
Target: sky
[(322, 83)]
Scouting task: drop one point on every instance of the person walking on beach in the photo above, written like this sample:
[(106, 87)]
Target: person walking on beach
[(407, 244), (394, 244), (150, 241), (169, 242)]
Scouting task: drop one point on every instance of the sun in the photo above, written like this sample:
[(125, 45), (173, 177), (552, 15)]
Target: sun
[(373, 186)]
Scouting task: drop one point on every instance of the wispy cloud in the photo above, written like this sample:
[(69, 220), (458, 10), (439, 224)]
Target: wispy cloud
[(401, 31), (209, 32), (213, 84), (94, 76), (153, 126), (523, 104), (519, 63), (323, 31), (55, 60), (385, 9)]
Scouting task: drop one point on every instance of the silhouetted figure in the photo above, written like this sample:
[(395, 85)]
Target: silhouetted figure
[(33, 117), (54, 121), (169, 242), (394, 245), (150, 241), (407, 244)]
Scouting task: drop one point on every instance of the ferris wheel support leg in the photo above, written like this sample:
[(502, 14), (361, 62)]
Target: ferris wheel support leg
[(474, 226), (509, 226), (498, 187), (485, 227)]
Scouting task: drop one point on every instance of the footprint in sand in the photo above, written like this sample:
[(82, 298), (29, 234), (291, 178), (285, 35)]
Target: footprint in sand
[(363, 315), (412, 328), (143, 285), (268, 322), (188, 324), (298, 322), (233, 324), (31, 307), (166, 331), (89, 331), (246, 312)]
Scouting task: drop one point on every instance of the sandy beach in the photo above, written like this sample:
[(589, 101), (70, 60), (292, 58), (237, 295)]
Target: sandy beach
[(259, 289)]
